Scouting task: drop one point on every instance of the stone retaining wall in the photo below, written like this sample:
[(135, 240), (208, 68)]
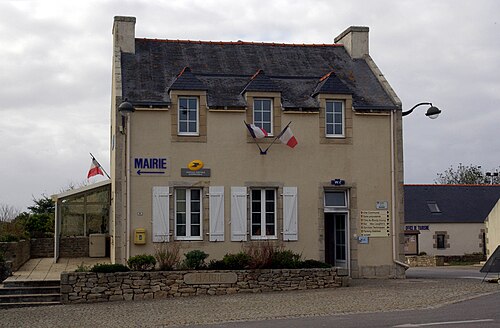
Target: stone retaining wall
[(81, 287), (425, 261), (74, 246), (42, 247), (17, 252)]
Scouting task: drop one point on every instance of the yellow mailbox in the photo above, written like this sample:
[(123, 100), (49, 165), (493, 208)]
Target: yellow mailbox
[(140, 236)]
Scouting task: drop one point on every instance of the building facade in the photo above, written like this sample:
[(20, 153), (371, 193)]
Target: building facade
[(186, 170), (448, 219)]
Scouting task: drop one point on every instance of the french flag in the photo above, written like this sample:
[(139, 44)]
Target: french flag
[(95, 169), (287, 137), (255, 131)]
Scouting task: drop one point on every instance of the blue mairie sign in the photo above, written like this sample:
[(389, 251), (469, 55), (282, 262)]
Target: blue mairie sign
[(148, 166)]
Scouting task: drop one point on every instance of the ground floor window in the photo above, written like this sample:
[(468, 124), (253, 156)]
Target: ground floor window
[(440, 241), (188, 214), (263, 213)]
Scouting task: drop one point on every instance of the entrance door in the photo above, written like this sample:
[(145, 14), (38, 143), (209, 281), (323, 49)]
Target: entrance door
[(336, 239)]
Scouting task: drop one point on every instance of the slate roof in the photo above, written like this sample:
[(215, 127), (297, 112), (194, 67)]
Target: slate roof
[(225, 69), (457, 203)]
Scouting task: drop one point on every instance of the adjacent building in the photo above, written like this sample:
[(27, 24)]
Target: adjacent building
[(450, 219), (185, 169)]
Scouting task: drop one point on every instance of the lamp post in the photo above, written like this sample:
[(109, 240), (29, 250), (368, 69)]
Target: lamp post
[(125, 110), (432, 112)]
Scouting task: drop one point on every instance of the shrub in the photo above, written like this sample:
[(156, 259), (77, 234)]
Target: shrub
[(109, 268), (82, 268), (142, 262), (216, 265), (310, 264), (7, 238), (286, 259), (167, 255), (237, 261), (39, 225), (5, 270), (422, 253), (261, 255), (195, 260)]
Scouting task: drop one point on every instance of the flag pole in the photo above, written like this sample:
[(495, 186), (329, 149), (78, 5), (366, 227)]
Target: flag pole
[(262, 152), (278, 136), (93, 158)]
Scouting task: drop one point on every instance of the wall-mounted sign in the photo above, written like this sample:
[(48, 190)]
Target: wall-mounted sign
[(185, 172), (337, 182), (195, 165), (382, 205), (150, 165), (375, 223), (363, 239), (416, 227)]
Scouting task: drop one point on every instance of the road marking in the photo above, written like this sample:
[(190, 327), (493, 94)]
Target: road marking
[(442, 323)]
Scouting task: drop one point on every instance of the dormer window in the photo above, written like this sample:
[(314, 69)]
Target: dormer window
[(263, 114), (335, 116), (188, 116)]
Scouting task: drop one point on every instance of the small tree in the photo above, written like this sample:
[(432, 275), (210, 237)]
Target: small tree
[(470, 174), (8, 213)]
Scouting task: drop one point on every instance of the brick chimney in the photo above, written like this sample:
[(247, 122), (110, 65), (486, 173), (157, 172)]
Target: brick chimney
[(124, 33), (355, 41)]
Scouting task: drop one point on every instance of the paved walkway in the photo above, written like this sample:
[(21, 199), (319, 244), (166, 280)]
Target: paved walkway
[(46, 269), (364, 295)]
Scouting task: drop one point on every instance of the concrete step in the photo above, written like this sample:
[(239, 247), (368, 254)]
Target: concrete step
[(30, 290), (26, 304), (31, 283), (30, 293)]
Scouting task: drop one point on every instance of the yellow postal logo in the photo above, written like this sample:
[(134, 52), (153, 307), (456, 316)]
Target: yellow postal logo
[(195, 165)]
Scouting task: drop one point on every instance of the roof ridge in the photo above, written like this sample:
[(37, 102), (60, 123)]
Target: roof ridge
[(245, 43), (452, 185)]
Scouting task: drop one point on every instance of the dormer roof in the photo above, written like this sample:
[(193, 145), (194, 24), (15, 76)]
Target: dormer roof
[(186, 80), (260, 82), (331, 84)]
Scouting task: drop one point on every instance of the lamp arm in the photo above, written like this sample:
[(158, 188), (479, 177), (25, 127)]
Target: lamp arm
[(408, 112)]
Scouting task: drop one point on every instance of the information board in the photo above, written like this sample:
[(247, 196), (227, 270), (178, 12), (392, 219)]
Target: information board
[(375, 223)]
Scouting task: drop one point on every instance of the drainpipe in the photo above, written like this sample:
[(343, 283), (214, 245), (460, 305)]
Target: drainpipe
[(395, 226), (128, 191)]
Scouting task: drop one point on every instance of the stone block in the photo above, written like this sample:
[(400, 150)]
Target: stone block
[(116, 298)]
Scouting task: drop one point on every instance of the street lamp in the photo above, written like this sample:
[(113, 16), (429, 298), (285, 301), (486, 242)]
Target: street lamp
[(125, 110), (433, 112)]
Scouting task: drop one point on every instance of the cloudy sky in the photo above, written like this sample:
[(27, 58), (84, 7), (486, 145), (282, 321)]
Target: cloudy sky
[(55, 74)]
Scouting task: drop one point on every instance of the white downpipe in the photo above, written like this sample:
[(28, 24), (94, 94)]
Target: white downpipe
[(127, 254), (395, 226)]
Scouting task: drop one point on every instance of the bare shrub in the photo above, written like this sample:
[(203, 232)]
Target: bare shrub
[(261, 254), (167, 255)]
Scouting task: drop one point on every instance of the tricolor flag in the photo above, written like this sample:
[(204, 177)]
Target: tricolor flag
[(95, 169), (255, 131), (286, 137)]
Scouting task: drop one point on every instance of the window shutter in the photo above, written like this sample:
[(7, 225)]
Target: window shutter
[(216, 205), (290, 226), (238, 213), (160, 214)]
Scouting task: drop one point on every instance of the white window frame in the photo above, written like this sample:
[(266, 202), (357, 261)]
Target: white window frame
[(188, 133), (329, 209), (263, 235), (262, 122), (333, 122), (188, 214)]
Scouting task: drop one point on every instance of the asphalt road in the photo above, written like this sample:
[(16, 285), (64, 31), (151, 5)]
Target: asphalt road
[(478, 312), (447, 272)]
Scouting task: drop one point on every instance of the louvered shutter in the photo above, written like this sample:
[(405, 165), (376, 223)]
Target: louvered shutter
[(290, 226), (160, 214), (238, 213), (216, 204)]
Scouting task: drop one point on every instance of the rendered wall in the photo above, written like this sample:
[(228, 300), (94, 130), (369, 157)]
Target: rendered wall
[(493, 230)]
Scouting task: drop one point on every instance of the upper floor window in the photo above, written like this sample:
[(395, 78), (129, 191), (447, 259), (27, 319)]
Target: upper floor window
[(335, 117), (263, 114), (188, 116), (188, 213), (263, 211)]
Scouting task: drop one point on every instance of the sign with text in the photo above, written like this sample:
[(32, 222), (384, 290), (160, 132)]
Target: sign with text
[(375, 223), (185, 172), (148, 166)]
